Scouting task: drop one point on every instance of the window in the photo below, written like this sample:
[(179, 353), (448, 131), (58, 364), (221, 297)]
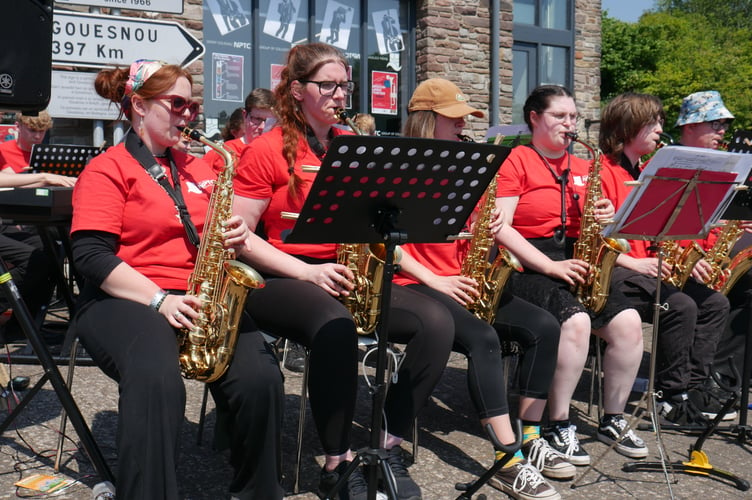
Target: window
[(543, 48)]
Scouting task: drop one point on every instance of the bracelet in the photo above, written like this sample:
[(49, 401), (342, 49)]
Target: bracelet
[(156, 301)]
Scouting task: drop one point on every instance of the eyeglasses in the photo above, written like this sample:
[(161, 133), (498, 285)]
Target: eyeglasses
[(717, 125), (178, 105), (328, 89), (562, 117), (255, 120)]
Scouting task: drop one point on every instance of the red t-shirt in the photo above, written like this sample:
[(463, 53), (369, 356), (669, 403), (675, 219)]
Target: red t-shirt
[(14, 157), (613, 178), (214, 159), (443, 259), (524, 174), (262, 174), (116, 195)]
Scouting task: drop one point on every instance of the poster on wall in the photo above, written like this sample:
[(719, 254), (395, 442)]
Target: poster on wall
[(227, 64), (384, 87), (228, 15), (335, 29), (280, 19), (228, 77), (388, 33)]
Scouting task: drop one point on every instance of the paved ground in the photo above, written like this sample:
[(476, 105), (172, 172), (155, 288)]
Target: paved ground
[(452, 446)]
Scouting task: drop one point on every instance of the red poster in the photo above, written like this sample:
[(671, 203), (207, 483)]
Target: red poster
[(384, 86)]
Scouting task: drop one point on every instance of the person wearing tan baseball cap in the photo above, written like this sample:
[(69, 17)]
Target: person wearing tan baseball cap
[(437, 110)]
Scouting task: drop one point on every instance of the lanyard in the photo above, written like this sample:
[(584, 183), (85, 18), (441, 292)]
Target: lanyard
[(562, 180), (136, 147)]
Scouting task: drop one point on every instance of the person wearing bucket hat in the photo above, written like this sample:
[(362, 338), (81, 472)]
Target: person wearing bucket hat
[(703, 119)]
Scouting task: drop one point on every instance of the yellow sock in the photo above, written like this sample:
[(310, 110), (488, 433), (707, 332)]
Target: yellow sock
[(530, 432), (518, 457)]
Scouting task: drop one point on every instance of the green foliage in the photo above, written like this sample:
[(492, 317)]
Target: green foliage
[(682, 47)]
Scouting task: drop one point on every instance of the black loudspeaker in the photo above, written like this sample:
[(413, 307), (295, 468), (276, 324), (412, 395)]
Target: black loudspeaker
[(26, 56)]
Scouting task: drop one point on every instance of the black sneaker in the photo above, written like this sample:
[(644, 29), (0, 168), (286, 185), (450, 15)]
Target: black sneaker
[(680, 410), (524, 482), (355, 488), (407, 489), (294, 357), (709, 398), (629, 445), (539, 453), (564, 442)]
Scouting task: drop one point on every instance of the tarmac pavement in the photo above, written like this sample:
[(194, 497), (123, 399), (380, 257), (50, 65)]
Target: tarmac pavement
[(452, 445)]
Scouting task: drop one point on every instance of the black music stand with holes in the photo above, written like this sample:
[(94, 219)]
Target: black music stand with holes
[(61, 159), (392, 191), (51, 374), (674, 202)]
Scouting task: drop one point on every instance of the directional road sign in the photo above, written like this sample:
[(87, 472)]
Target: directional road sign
[(97, 41), (171, 6)]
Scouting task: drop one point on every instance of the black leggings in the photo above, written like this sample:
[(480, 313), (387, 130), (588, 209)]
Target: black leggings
[(136, 347), (305, 313), (537, 332)]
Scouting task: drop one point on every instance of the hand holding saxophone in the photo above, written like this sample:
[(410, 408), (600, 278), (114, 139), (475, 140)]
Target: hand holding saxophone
[(336, 279), (236, 234), (180, 310), (604, 210), (571, 270), (461, 288)]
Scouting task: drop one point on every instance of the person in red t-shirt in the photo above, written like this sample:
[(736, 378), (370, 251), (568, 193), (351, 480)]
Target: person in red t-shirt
[(541, 187), (437, 111), (137, 252), (631, 127), (257, 117), (302, 303)]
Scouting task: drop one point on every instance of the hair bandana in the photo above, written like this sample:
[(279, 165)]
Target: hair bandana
[(140, 71)]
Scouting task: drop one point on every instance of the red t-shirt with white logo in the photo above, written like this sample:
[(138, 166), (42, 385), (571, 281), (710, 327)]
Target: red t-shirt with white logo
[(525, 175), (116, 195)]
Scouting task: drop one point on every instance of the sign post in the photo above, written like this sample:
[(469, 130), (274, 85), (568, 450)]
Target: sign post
[(169, 6), (98, 41)]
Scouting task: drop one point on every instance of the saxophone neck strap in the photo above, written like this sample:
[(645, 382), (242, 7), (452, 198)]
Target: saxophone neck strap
[(563, 179), (136, 147)]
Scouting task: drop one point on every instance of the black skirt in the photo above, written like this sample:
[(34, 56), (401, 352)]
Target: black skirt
[(556, 295)]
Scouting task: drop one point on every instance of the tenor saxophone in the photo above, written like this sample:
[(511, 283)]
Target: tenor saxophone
[(599, 252), (221, 283)]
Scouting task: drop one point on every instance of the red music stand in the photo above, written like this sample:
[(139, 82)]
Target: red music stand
[(392, 190), (681, 194)]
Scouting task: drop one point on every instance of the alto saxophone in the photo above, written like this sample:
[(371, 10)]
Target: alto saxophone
[(491, 276), (221, 283), (599, 252), (725, 272), (681, 260)]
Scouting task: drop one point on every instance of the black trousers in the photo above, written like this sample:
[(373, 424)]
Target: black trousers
[(535, 329), (688, 330), (734, 336), (136, 347), (305, 313), (23, 253)]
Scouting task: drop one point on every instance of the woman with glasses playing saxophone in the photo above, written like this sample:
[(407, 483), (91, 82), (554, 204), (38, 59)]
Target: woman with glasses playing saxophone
[(541, 189), (631, 127), (301, 299), (138, 257), (438, 110)]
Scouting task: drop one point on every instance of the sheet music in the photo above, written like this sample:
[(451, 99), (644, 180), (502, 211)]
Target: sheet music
[(683, 191)]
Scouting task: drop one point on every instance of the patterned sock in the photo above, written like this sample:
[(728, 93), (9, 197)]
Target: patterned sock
[(530, 432), (518, 457)]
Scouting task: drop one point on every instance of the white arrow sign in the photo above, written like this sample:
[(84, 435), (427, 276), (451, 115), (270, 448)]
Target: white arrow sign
[(97, 41), (172, 6)]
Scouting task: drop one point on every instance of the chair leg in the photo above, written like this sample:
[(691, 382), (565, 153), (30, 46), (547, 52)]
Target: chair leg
[(202, 416), (301, 423)]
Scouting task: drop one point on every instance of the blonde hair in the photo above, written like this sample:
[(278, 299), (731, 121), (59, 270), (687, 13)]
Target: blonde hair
[(43, 121), (366, 123)]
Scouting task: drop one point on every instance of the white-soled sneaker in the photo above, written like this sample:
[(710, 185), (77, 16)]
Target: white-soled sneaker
[(564, 441)]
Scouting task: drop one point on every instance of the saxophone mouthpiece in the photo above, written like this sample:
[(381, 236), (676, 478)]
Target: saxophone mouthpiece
[(571, 135), (341, 115), (465, 138), (192, 133)]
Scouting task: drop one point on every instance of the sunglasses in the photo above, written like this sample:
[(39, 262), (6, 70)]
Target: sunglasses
[(178, 105)]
